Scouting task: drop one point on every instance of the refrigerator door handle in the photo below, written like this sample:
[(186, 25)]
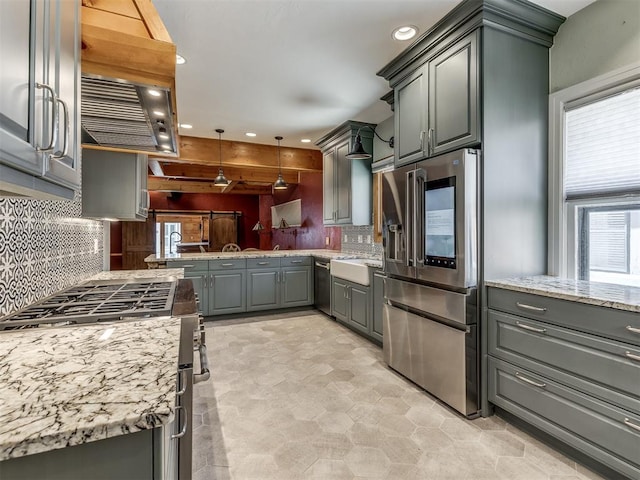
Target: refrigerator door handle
[(419, 228), (409, 220)]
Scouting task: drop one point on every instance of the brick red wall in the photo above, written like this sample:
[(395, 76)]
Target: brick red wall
[(312, 234)]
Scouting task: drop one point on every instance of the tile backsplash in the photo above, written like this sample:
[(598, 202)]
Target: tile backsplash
[(44, 247), (359, 241)]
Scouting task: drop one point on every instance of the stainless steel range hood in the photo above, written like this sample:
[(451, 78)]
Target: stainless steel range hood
[(128, 116)]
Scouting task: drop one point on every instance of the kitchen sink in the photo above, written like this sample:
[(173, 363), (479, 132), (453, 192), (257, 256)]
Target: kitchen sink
[(354, 269)]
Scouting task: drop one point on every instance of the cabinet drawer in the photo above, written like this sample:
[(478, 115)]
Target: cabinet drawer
[(608, 434), (189, 266), (607, 322), (228, 264), (263, 262), (296, 261), (564, 354)]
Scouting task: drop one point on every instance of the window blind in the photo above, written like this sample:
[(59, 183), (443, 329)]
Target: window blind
[(603, 147)]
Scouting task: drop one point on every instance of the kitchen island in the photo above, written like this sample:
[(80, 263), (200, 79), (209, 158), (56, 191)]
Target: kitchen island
[(66, 386)]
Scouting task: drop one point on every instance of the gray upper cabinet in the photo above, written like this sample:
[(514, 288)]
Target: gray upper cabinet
[(411, 117), (347, 184), (39, 98), (115, 185), (436, 106), (453, 97)]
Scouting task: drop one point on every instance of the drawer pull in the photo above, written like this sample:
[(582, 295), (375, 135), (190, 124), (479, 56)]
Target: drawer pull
[(188, 266), (633, 329), (632, 356), (531, 308), (530, 382), (629, 423), (263, 263), (227, 264), (529, 327), (296, 261)]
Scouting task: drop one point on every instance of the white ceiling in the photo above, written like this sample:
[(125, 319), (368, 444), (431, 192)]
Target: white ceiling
[(296, 68)]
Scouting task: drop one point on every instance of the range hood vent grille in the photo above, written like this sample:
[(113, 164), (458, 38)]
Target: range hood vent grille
[(121, 115)]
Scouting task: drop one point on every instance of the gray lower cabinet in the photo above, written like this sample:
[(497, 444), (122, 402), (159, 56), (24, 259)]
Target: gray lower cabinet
[(297, 286), (263, 289), (377, 302), (351, 304), (143, 455), (227, 292), (572, 370)]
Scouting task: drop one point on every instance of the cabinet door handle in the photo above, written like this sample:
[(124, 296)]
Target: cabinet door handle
[(182, 382), (632, 356), (213, 281), (530, 382), (65, 134), (529, 327), (348, 290), (421, 139), (54, 115), (531, 308), (430, 147), (633, 329), (184, 427), (629, 423)]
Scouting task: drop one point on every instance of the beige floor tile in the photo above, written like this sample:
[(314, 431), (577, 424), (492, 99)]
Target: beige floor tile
[(298, 396)]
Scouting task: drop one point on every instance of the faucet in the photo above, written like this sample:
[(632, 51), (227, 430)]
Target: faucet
[(171, 238)]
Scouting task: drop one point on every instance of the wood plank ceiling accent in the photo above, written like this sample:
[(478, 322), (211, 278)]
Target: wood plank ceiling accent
[(251, 167)]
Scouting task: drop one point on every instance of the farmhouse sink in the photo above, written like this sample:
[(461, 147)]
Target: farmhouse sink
[(354, 269)]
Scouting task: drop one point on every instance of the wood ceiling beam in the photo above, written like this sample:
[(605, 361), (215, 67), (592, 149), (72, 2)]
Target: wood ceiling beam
[(204, 151), (205, 172), (170, 185)]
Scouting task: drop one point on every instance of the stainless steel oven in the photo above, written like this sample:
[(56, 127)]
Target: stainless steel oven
[(430, 238)]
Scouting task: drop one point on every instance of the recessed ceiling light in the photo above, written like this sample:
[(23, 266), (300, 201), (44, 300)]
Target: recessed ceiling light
[(250, 134), (185, 125), (305, 140), (159, 113), (154, 93), (180, 60), (406, 32)]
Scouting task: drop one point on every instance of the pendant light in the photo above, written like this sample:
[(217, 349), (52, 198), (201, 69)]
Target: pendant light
[(279, 184), (358, 152), (220, 180)]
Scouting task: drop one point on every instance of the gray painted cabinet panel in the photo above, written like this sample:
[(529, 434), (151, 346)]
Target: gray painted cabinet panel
[(227, 292), (342, 172), (340, 305), (589, 425), (328, 205), (410, 117), (453, 97), (359, 312), (377, 302), (297, 286), (262, 289)]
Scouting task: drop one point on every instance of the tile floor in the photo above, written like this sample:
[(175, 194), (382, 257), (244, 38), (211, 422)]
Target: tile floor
[(301, 397)]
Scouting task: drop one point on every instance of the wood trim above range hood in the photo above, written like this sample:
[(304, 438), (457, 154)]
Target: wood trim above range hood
[(126, 39)]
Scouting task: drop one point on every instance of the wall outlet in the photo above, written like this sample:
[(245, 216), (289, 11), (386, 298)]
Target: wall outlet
[(359, 238), (95, 245), (326, 241), (368, 238), (346, 239)]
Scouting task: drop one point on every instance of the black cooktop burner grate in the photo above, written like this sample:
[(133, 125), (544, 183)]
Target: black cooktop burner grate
[(95, 303)]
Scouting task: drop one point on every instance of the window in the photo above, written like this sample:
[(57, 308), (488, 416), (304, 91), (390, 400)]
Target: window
[(595, 180), (167, 235)]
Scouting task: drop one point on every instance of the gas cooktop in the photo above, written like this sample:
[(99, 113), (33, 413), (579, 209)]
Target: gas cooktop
[(96, 302)]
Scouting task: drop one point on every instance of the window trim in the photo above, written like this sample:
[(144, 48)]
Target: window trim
[(562, 216)]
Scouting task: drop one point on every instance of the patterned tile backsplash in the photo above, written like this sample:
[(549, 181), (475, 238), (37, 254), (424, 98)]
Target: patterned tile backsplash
[(44, 247), (359, 241)]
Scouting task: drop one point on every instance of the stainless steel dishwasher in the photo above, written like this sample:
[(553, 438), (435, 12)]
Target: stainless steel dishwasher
[(322, 285)]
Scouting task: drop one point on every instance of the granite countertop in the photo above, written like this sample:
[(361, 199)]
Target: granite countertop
[(610, 295), (65, 386), (144, 273), (327, 254)]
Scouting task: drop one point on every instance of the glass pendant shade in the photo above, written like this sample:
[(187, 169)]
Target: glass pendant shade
[(279, 184)]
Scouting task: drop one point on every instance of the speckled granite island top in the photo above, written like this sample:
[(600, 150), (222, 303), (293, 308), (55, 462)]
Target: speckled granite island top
[(70, 385), (133, 274), (328, 254), (608, 295)]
